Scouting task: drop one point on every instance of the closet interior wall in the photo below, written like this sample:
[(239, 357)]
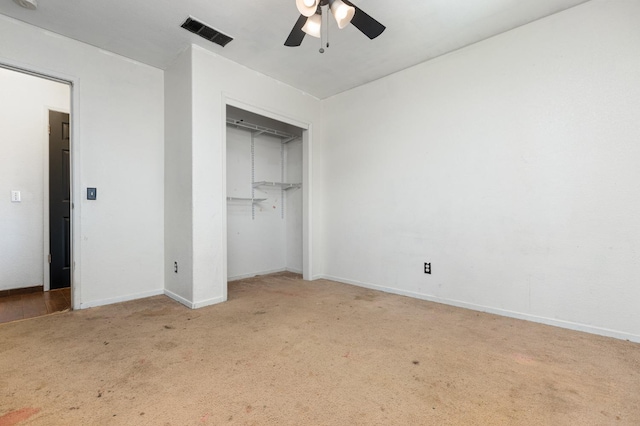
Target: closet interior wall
[(264, 221)]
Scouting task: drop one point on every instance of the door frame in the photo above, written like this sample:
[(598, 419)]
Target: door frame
[(74, 154)]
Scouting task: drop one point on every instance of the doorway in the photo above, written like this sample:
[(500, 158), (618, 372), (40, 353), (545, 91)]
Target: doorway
[(267, 181), (26, 287)]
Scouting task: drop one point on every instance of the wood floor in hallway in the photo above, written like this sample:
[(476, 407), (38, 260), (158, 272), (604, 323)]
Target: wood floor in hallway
[(30, 305)]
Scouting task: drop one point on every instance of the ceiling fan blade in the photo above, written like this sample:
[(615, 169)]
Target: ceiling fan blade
[(365, 23), (297, 35)]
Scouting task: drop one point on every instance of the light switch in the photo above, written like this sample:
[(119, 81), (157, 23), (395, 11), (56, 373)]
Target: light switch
[(92, 193), (15, 197)]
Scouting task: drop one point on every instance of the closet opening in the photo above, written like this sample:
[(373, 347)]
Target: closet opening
[(264, 196)]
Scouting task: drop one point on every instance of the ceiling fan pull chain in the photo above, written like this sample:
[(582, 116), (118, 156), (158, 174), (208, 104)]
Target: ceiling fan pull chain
[(327, 19), (323, 27)]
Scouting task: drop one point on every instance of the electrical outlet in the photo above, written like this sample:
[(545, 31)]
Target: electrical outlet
[(15, 197), (427, 268), (175, 267)]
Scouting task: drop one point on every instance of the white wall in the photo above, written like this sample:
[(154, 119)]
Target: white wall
[(117, 146), (178, 234), (216, 82), (293, 213), (24, 119), (511, 165)]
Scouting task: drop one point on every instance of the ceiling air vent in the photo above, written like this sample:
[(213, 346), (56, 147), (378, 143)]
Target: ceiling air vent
[(206, 32)]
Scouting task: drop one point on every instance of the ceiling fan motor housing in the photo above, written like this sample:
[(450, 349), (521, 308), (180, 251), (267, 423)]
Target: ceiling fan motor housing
[(28, 4)]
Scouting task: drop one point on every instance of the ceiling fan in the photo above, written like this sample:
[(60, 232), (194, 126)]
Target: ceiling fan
[(344, 12)]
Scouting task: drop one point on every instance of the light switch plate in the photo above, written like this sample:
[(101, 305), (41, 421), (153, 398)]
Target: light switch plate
[(15, 197), (92, 194)]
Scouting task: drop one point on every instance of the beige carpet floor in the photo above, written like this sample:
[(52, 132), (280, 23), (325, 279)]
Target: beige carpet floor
[(283, 351)]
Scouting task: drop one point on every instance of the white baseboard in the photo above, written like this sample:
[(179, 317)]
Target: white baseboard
[(209, 302), (127, 298), (506, 313), (178, 299), (194, 305)]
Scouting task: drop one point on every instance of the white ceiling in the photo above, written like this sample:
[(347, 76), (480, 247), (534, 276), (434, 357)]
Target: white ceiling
[(417, 30)]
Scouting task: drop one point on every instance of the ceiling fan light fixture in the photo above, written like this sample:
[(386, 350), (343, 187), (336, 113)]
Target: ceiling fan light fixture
[(342, 12), (28, 4), (313, 25), (307, 8)]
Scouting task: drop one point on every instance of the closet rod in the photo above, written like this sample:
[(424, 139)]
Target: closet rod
[(287, 137)]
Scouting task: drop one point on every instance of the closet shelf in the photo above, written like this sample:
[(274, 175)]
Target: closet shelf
[(282, 185), (257, 130), (253, 200)]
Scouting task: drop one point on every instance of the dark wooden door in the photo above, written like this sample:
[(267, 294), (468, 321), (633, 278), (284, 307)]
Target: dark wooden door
[(59, 200)]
